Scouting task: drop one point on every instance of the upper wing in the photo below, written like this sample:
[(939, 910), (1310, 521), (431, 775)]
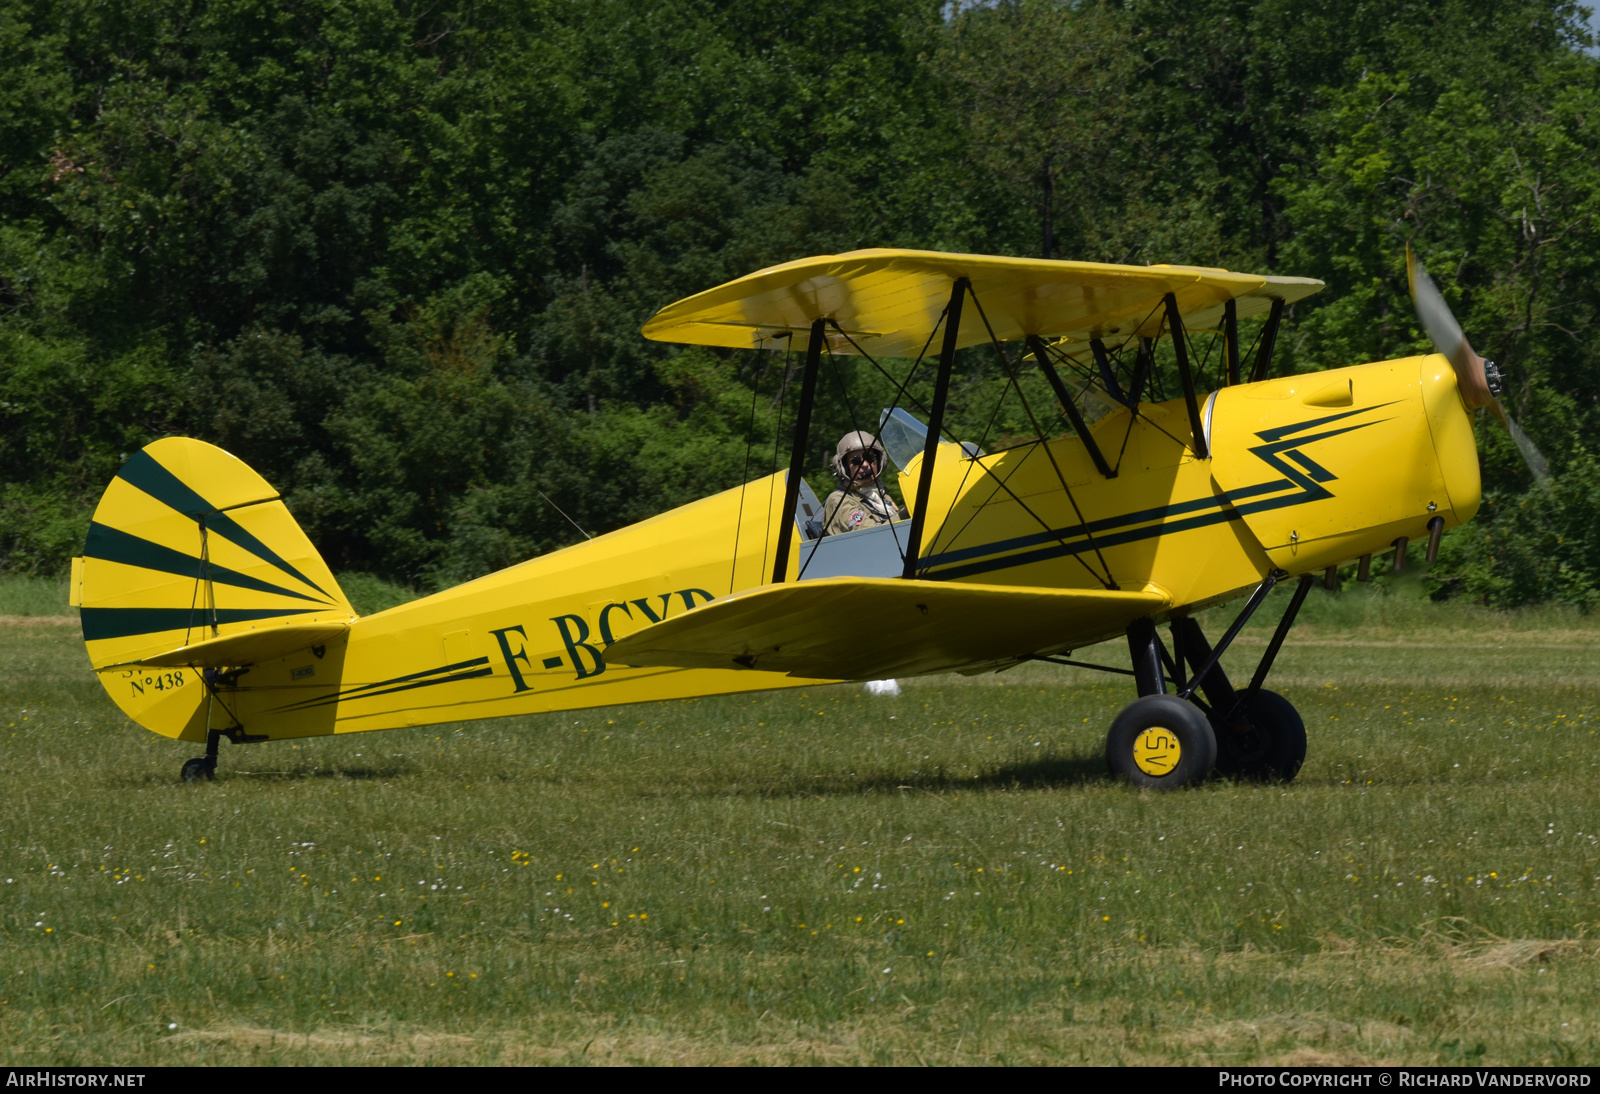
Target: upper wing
[(890, 301), (868, 628)]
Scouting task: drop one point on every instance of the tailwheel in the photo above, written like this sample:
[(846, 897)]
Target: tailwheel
[(201, 767), (1266, 742), (1162, 742)]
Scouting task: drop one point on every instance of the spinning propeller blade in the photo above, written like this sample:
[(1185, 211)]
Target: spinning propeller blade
[(1477, 379)]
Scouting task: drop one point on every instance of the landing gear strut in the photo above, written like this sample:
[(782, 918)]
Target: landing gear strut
[(1167, 741), (205, 767), (1158, 741)]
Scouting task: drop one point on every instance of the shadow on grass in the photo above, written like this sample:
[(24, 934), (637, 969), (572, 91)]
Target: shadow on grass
[(297, 774), (1054, 773), (247, 776), (1048, 774)]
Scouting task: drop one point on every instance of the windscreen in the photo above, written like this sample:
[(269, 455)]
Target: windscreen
[(902, 436)]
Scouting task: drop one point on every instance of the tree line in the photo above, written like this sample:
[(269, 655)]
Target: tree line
[(396, 254)]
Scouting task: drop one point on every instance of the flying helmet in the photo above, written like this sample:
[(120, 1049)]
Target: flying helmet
[(857, 441)]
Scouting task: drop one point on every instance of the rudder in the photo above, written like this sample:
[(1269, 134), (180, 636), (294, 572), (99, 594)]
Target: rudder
[(189, 547)]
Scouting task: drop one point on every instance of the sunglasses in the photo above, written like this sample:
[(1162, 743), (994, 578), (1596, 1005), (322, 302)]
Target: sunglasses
[(854, 462)]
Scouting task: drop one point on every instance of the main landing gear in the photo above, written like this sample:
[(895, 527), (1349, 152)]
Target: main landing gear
[(1164, 741), (1161, 742)]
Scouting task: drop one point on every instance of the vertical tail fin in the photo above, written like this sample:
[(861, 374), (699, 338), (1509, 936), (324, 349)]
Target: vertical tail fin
[(188, 546)]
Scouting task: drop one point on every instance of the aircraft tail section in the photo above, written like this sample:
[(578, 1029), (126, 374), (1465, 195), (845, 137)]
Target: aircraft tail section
[(192, 560)]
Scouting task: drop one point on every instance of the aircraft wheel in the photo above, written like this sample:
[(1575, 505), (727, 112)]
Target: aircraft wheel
[(201, 767), (1161, 742), (1267, 745)]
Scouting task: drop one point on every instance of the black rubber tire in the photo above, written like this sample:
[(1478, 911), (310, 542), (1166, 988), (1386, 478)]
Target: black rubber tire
[(197, 769), (1270, 745), (1196, 743)]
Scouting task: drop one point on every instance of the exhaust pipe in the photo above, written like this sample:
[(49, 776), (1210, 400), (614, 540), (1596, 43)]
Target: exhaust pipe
[(1435, 531)]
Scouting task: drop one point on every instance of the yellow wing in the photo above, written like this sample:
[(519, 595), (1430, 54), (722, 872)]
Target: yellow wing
[(869, 628), (890, 301)]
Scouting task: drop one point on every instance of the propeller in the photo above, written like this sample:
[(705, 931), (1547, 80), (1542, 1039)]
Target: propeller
[(1478, 379)]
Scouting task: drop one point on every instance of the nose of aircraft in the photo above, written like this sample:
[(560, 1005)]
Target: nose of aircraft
[(1477, 379), (1450, 423)]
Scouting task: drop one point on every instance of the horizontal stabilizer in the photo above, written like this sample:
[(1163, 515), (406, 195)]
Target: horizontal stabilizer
[(250, 648), (866, 628)]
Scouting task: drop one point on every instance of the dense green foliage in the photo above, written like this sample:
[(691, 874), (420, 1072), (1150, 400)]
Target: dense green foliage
[(396, 255)]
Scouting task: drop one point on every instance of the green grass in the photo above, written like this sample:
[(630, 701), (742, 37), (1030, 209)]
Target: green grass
[(825, 876), (33, 596)]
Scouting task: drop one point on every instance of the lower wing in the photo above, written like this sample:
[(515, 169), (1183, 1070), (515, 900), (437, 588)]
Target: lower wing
[(866, 628)]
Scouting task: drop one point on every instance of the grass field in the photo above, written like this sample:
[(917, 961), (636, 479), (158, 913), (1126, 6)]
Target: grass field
[(825, 876)]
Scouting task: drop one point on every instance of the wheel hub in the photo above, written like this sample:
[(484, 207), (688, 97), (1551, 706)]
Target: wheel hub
[(1245, 742), (1156, 751)]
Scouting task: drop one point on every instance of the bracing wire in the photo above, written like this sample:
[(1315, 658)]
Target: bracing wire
[(744, 472), (855, 424), (1011, 372), (972, 461), (900, 390), (777, 434), (563, 512), (999, 484)]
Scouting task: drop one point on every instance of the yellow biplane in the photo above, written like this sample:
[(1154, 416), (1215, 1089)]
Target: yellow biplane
[(208, 614)]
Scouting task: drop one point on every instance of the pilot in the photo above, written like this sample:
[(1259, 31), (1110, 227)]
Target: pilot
[(860, 500)]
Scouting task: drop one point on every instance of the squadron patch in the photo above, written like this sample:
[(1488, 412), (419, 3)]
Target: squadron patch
[(855, 518)]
